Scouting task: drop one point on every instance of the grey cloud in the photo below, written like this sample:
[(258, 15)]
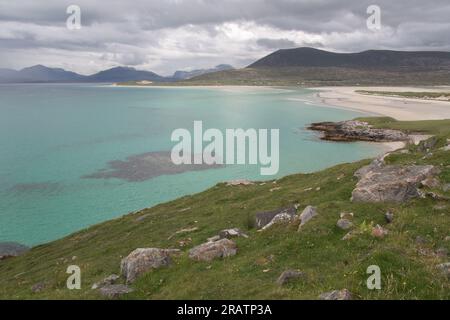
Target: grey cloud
[(276, 43)]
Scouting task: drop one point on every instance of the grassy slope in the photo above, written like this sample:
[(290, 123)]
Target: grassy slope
[(318, 250)]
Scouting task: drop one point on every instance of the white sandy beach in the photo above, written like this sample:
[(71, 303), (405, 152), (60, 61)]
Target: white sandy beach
[(398, 108)]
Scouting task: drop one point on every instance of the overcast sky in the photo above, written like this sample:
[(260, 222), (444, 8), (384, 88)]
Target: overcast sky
[(168, 35)]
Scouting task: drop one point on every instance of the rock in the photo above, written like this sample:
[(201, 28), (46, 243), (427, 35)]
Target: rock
[(375, 164), (356, 131), (446, 187), (447, 238), (444, 268), (144, 259), (115, 290), (308, 213), (213, 239), (391, 183), (239, 182), (379, 232), (38, 287), (427, 145), (264, 218), (442, 252), (289, 275), (344, 224), (343, 294), (431, 182), (349, 235), (421, 240), (212, 250), (278, 219), (107, 281), (389, 217), (231, 233), (12, 249)]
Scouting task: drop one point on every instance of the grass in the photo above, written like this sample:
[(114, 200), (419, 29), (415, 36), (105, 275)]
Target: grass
[(443, 96), (329, 262)]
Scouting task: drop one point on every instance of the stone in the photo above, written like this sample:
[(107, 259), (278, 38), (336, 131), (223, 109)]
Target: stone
[(442, 252), (392, 183), (12, 249), (38, 287), (239, 182), (430, 182), (389, 217), (142, 260), (346, 215), (444, 268), (288, 276), (212, 250), (427, 145), (343, 294), (375, 164), (379, 232), (344, 224), (232, 233), (421, 240), (446, 187), (107, 281), (308, 213), (264, 218), (279, 219), (115, 290), (213, 238), (447, 238)]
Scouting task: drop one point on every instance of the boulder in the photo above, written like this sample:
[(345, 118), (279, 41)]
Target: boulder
[(307, 214), (212, 250), (142, 260), (288, 276), (391, 183), (389, 217), (12, 249), (344, 224), (115, 290), (343, 294), (444, 268), (264, 218)]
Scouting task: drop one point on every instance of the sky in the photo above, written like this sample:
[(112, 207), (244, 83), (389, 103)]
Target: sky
[(168, 35)]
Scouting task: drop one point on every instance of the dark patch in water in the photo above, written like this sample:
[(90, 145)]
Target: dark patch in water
[(144, 167), (42, 187)]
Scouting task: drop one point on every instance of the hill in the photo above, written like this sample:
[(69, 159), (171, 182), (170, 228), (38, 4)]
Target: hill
[(184, 75)]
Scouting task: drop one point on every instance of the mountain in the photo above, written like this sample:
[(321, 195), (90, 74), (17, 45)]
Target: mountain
[(123, 74), (184, 75), (310, 67), (40, 73), (310, 57)]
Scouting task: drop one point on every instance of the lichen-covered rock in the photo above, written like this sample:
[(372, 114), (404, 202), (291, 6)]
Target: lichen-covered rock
[(307, 214), (264, 218), (288, 276), (344, 224), (115, 290), (391, 183), (213, 250), (343, 294), (142, 260)]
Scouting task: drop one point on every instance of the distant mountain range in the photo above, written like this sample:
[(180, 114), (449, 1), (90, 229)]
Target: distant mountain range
[(184, 75), (40, 73)]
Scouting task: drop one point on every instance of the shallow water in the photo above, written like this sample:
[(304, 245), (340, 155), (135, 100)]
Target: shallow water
[(59, 143)]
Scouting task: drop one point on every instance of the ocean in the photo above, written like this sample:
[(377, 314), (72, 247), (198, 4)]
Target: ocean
[(72, 155)]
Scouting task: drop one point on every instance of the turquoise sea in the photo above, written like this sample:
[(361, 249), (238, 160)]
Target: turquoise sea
[(54, 137)]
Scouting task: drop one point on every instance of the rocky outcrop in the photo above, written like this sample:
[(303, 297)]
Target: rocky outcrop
[(394, 183), (288, 276), (144, 259), (356, 131), (115, 290), (106, 282), (11, 249), (264, 218), (212, 250), (343, 294), (307, 214)]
